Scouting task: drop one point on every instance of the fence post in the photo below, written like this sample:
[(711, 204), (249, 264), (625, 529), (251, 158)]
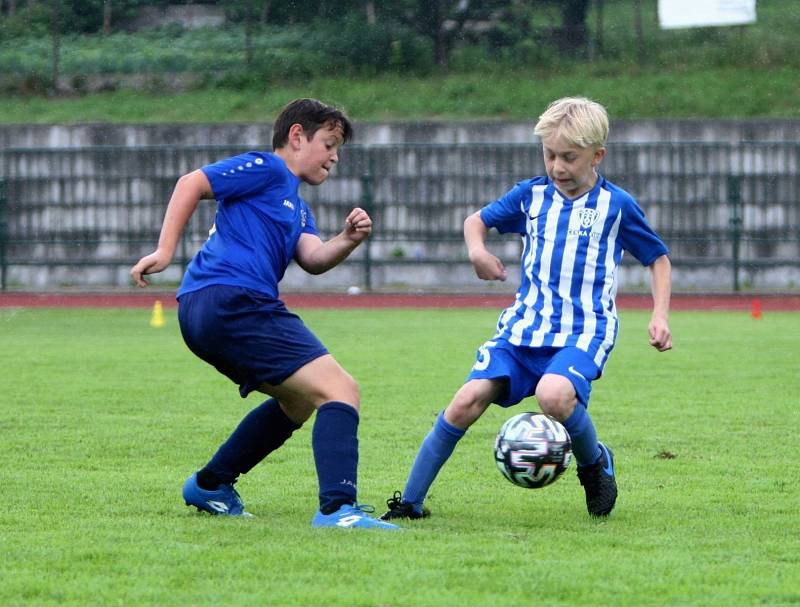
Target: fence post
[(367, 205), (735, 200), (3, 237)]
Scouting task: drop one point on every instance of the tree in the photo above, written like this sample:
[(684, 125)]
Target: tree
[(443, 22), (55, 36), (573, 36), (106, 17)]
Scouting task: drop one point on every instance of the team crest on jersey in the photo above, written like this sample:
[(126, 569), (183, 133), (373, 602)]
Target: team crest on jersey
[(588, 217)]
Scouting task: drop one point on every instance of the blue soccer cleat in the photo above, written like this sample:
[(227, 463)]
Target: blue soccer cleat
[(223, 500), (351, 516)]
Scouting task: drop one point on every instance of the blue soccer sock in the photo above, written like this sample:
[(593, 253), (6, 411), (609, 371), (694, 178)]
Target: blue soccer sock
[(261, 431), (583, 436), (335, 444), (435, 450)]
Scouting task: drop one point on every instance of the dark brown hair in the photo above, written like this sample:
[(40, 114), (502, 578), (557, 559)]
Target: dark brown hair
[(311, 115)]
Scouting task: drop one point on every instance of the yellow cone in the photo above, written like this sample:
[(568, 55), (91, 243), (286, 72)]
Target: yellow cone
[(157, 317)]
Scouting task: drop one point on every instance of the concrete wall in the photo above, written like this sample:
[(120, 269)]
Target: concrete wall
[(99, 180), (633, 131)]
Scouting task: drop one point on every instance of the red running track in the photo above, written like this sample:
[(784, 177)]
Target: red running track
[(146, 299)]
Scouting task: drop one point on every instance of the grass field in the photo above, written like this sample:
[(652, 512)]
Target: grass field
[(102, 417)]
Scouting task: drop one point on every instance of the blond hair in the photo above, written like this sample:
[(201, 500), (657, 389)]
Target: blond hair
[(579, 120)]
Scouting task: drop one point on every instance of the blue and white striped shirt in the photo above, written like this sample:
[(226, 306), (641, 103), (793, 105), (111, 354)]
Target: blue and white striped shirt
[(572, 249)]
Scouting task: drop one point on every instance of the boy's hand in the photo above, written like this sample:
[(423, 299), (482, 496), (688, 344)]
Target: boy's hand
[(149, 264), (660, 336), (358, 225), (487, 266)]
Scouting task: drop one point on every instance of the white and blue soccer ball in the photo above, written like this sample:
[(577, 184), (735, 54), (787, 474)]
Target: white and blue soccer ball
[(532, 450)]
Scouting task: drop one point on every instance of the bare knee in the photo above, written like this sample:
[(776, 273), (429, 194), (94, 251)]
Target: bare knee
[(339, 387), (348, 391), (470, 402), (556, 396), (321, 381)]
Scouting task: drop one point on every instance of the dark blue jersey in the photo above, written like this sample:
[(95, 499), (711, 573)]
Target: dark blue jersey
[(260, 217)]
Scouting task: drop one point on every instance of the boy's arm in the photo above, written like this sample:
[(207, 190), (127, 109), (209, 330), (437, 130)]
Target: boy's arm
[(661, 286), (187, 193), (316, 256), (487, 266)]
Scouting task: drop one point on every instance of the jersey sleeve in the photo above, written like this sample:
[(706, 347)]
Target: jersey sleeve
[(507, 213), (240, 176), (309, 223), (638, 237)]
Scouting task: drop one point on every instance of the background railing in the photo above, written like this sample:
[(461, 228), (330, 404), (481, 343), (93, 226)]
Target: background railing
[(730, 213)]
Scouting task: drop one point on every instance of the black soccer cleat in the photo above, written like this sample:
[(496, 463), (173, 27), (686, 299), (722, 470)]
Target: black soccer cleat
[(398, 509), (599, 483)]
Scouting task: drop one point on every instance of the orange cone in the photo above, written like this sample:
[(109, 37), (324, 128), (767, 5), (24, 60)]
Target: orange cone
[(755, 308)]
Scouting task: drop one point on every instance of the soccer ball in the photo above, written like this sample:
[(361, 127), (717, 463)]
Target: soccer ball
[(532, 450)]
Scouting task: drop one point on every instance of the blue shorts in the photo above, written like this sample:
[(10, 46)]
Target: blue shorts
[(247, 336), (520, 369)]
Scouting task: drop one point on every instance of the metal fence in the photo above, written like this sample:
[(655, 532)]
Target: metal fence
[(82, 216)]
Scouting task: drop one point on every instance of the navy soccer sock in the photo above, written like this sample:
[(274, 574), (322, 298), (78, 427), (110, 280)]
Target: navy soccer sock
[(434, 451), (583, 436), (334, 440), (261, 431)]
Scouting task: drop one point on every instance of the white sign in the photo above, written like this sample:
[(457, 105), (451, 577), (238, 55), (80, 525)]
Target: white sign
[(673, 14)]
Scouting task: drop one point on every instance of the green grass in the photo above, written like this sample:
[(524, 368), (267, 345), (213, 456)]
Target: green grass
[(699, 92), (102, 418)]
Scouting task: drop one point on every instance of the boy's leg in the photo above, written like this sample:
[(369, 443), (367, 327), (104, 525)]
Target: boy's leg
[(260, 433), (563, 392), (435, 450), (467, 406), (327, 386), (583, 436), (334, 441)]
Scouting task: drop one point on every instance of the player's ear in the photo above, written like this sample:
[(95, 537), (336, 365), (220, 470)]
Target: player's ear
[(599, 154), (296, 134)]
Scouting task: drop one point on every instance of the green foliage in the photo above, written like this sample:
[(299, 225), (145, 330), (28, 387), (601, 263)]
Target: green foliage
[(66, 16), (102, 418), (372, 49), (510, 95), (342, 42), (509, 67), (33, 22)]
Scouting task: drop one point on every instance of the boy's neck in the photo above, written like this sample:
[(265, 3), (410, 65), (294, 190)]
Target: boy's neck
[(286, 155)]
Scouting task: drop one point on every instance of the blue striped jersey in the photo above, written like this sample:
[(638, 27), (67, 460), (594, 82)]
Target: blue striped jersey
[(571, 253)]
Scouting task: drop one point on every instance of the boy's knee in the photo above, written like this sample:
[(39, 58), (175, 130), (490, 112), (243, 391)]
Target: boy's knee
[(342, 389), (319, 383), (556, 396), (351, 390), (467, 406)]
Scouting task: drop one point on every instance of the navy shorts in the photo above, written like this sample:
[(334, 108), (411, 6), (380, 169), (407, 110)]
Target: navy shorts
[(247, 336), (521, 368)]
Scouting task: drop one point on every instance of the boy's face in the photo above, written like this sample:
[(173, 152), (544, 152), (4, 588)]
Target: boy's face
[(316, 157), (569, 166)]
